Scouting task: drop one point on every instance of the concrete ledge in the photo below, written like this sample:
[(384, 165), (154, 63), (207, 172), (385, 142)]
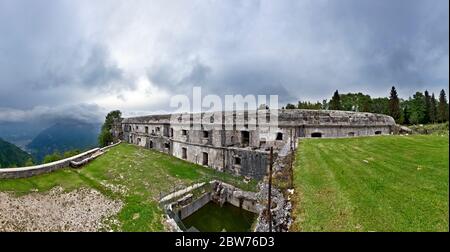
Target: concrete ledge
[(29, 171)]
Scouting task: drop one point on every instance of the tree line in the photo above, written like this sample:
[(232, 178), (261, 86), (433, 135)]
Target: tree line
[(421, 108)]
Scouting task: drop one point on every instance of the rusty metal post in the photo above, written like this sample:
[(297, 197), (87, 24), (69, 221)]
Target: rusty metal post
[(269, 207), (291, 140)]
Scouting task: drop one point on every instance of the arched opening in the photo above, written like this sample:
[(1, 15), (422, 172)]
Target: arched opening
[(316, 134), (378, 132), (279, 136)]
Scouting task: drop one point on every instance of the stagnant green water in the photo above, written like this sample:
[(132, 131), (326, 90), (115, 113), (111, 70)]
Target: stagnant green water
[(213, 218)]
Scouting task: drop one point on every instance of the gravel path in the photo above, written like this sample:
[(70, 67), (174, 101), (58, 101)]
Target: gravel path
[(81, 210)]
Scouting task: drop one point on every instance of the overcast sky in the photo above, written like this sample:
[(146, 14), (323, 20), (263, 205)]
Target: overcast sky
[(83, 58)]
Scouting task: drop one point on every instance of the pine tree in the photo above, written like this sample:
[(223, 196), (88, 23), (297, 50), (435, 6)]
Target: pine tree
[(433, 109), (442, 107), (394, 105), (406, 115), (417, 108), (427, 118), (335, 102)]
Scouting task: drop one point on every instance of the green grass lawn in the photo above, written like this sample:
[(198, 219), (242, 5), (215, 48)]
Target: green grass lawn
[(134, 175), (385, 183)]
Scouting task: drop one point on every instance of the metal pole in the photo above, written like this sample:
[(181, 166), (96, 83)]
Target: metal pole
[(269, 207), (291, 140)]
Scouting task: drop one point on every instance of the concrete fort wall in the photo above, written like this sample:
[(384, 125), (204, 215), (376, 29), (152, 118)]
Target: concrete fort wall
[(341, 131), (235, 145)]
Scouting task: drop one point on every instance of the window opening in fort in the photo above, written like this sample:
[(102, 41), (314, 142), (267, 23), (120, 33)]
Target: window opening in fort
[(139, 140), (184, 132), (378, 132), (158, 129), (146, 130), (205, 134), (237, 161), (171, 132), (245, 138), (167, 145), (316, 134), (279, 136), (137, 127), (183, 153), (205, 158)]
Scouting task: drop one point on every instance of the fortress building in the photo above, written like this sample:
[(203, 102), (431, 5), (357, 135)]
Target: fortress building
[(241, 147)]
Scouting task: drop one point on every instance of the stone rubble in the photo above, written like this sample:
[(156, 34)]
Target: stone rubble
[(81, 210), (281, 211)]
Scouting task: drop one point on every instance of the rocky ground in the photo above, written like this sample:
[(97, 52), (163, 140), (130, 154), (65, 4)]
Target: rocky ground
[(79, 210)]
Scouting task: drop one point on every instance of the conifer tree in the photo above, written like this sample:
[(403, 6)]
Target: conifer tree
[(394, 105), (335, 102), (442, 107)]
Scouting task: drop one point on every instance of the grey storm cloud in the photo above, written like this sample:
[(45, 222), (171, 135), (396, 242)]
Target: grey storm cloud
[(63, 54)]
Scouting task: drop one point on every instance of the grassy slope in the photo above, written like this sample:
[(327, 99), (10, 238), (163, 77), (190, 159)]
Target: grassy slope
[(132, 174), (403, 186)]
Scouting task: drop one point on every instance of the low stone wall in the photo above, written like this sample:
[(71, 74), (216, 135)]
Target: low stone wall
[(24, 172), (223, 192), (29, 171), (194, 206)]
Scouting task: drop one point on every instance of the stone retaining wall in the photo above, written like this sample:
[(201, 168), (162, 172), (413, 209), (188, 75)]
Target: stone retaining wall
[(194, 206)]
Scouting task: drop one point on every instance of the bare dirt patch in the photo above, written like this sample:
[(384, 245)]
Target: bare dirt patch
[(80, 210)]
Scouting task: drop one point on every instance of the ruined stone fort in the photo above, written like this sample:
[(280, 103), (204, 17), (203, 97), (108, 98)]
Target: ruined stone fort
[(241, 147)]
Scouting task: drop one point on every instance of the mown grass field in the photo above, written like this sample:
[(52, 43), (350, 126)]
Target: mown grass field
[(134, 175), (383, 183)]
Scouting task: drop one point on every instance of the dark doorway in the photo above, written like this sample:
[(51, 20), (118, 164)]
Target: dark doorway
[(245, 138), (301, 131), (183, 153), (151, 144), (378, 132), (279, 136), (316, 134), (237, 161), (205, 158)]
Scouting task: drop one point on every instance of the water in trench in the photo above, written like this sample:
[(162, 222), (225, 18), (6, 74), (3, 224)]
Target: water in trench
[(213, 218)]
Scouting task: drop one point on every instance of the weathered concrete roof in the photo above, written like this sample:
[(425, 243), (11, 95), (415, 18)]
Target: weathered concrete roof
[(287, 117)]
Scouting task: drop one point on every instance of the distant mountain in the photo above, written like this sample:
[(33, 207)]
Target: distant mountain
[(11, 155), (20, 133), (64, 136)]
